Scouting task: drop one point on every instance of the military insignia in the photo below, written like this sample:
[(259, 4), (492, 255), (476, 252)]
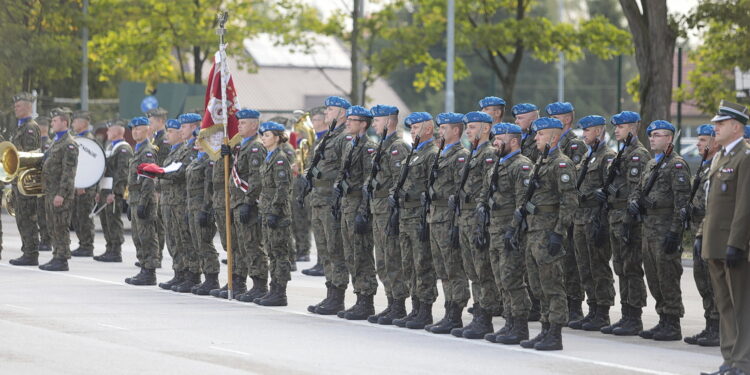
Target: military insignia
[(562, 165), (565, 177), (636, 158), (574, 147), (30, 131), (370, 150), (210, 163), (489, 160), (123, 150), (727, 170), (525, 168), (634, 171), (525, 182), (394, 152), (576, 158), (71, 147), (149, 154), (592, 160), (164, 141), (254, 149), (282, 174), (610, 160), (398, 164), (678, 165), (349, 137), (461, 159), (279, 162), (255, 161), (724, 187), (414, 160)]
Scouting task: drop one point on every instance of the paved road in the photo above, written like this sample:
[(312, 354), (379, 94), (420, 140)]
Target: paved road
[(88, 321)]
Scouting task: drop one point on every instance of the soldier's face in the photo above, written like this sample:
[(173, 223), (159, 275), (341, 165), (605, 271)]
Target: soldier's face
[(498, 141), (379, 123), (423, 129), (450, 133), (319, 123), (565, 118), (22, 108), (58, 124), (727, 131), (524, 120), (156, 123), (591, 134), (355, 124), (546, 136), (495, 111), (703, 141), (332, 113), (622, 131), (659, 139), (269, 140), (80, 125), (186, 131), (173, 136), (248, 127), (140, 133), (475, 130)]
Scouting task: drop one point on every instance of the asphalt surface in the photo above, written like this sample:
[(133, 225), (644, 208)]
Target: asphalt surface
[(88, 321)]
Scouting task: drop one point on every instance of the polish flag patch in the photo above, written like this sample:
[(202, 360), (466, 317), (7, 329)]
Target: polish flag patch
[(678, 165), (254, 149), (279, 162), (370, 150), (394, 152), (574, 147), (461, 160), (636, 158), (562, 165), (525, 168), (489, 161), (348, 137)]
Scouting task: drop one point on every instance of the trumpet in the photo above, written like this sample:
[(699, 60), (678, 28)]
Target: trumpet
[(304, 128), (24, 167)]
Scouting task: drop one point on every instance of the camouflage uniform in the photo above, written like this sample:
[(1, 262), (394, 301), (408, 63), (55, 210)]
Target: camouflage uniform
[(82, 207), (700, 267), (291, 156), (301, 219), (61, 158), (218, 203), (118, 158), (528, 146), (275, 200), (44, 237), (199, 189), (575, 149), (172, 207), (27, 138), (159, 142), (142, 192)]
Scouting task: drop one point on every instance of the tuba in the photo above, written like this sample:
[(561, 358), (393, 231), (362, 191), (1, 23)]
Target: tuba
[(7, 201), (304, 128), (25, 167)]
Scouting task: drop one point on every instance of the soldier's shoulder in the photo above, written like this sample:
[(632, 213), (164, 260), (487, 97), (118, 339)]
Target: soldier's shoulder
[(678, 162)]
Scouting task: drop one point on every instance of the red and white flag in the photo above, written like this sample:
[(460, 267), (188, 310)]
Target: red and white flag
[(211, 134)]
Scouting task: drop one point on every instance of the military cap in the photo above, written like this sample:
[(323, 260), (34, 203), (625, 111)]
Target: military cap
[(477, 117), (729, 110), (25, 96), (247, 113), (381, 110), (61, 111), (337, 101), (189, 118), (43, 120), (86, 115), (138, 121), (660, 125), (117, 122), (558, 108), (270, 126), (450, 118), (173, 124), (747, 131), (625, 117), (158, 112), (415, 118), (505, 128), (546, 123), (593, 120), (490, 101), (522, 108), (706, 129), (358, 110)]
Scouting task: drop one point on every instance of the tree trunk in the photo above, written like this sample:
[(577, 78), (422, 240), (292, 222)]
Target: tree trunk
[(355, 95), (197, 66)]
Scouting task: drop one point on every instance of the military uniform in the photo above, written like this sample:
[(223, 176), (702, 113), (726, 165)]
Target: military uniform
[(142, 198), (218, 204), (44, 236), (202, 224), (26, 138), (172, 195), (159, 142), (292, 157), (82, 207), (118, 155)]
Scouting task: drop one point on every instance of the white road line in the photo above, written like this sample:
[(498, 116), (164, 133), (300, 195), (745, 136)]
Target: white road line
[(112, 326), (369, 325), (228, 350), (17, 307)]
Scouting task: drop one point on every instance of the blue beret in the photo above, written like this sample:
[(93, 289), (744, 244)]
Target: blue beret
[(559, 108), (590, 121), (247, 113), (546, 123), (415, 118), (189, 118), (625, 117), (173, 124), (660, 124), (381, 110), (271, 125), (477, 117), (522, 108), (337, 101), (138, 121), (747, 131), (450, 118), (491, 100), (358, 110), (505, 128), (708, 129)]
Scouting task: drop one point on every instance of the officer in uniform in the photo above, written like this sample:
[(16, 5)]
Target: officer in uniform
[(320, 128), (387, 247), (26, 138), (448, 262), (695, 212), (58, 186), (591, 236), (575, 149), (416, 256), (662, 230), (157, 118), (44, 237), (524, 115), (302, 217), (112, 190), (142, 205), (550, 214), (84, 198), (508, 262), (291, 155), (723, 238)]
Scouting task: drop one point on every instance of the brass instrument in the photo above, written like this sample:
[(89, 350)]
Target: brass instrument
[(304, 129), (7, 201), (23, 166)]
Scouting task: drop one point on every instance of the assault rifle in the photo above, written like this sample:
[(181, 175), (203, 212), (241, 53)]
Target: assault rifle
[(313, 171), (393, 200), (427, 196)]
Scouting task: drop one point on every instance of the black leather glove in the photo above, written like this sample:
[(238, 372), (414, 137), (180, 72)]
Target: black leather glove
[(735, 257), (225, 150), (510, 244), (203, 219), (361, 224), (634, 208), (555, 244), (127, 213), (272, 221), (600, 196), (141, 211), (245, 213), (697, 247), (671, 242)]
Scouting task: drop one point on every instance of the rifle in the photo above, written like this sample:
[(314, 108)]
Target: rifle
[(526, 206), (372, 183), (313, 171), (483, 220), (585, 167), (393, 200), (455, 200), (612, 171), (340, 186), (693, 190), (427, 195)]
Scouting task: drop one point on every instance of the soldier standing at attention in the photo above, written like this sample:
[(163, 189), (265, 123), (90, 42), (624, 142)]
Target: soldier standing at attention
[(493, 106), (320, 128), (58, 180), (84, 198), (27, 138), (157, 118), (44, 237), (202, 224), (524, 115), (112, 190)]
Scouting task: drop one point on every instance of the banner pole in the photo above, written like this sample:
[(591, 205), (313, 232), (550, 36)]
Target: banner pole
[(222, 19)]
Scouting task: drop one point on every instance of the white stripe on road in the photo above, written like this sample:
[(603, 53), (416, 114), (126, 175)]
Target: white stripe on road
[(228, 350), (111, 326), (17, 307)]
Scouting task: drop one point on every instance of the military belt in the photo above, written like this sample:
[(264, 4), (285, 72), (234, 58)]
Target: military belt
[(318, 183), (618, 205), (659, 211), (547, 209), (355, 193), (502, 212), (591, 203), (440, 203), (381, 194), (411, 204)]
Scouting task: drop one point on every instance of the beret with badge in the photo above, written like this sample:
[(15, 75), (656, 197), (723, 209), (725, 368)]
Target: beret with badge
[(450, 118), (522, 108), (382, 110), (337, 101)]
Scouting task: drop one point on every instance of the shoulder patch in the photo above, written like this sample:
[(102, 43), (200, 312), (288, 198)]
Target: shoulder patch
[(71, 146), (636, 158), (525, 168), (254, 149), (634, 171), (565, 177), (349, 137), (574, 146), (30, 131), (211, 163), (123, 150), (562, 165), (576, 158), (279, 162), (609, 160), (149, 154), (394, 152), (461, 159), (678, 165), (489, 160), (370, 150)]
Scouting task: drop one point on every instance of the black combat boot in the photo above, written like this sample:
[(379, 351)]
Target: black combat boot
[(56, 264), (482, 326), (259, 289), (211, 283), (239, 286), (453, 320), (649, 334), (216, 292), (552, 340), (191, 279), (401, 322), (362, 309), (25, 260), (711, 338), (625, 315), (398, 311), (459, 331), (693, 340), (599, 321), (178, 278), (447, 306), (276, 297), (145, 277), (316, 270), (671, 330), (529, 344), (578, 324), (334, 304), (633, 325), (82, 252), (423, 318), (517, 334), (374, 318), (575, 312), (492, 337), (312, 308), (44, 247), (110, 256), (341, 314)]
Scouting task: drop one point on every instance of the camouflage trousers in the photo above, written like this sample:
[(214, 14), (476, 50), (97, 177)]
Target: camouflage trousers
[(627, 259), (111, 219), (703, 283), (179, 244), (546, 277), (249, 257), (203, 239), (477, 265), (58, 219), (449, 266), (416, 258), (593, 266), (663, 271), (358, 250), (301, 221), (44, 236), (26, 221), (144, 237), (573, 285), (221, 225), (82, 223), (330, 248), (388, 258), (161, 236), (509, 268), (277, 243)]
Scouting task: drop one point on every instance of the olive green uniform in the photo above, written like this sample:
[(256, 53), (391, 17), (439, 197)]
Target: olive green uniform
[(27, 138), (118, 159), (575, 149), (199, 190), (61, 158), (275, 200), (160, 145), (142, 192), (82, 207)]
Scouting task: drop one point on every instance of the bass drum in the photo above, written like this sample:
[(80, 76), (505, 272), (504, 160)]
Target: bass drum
[(91, 163)]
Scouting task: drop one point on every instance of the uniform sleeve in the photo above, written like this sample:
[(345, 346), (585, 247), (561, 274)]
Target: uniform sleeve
[(680, 192), (739, 236), (395, 162), (148, 185), (637, 168), (366, 164), (566, 183), (208, 186), (521, 175), (120, 174), (282, 176), (29, 139), (69, 163), (347, 150), (485, 189), (254, 185)]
